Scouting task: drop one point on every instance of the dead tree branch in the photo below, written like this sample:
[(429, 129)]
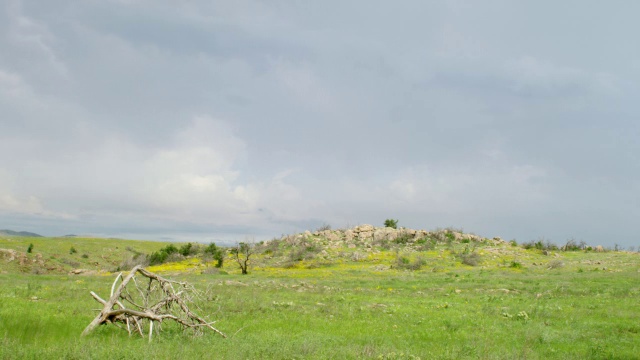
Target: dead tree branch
[(155, 302)]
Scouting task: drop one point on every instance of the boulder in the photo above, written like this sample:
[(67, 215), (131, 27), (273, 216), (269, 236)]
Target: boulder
[(364, 228)]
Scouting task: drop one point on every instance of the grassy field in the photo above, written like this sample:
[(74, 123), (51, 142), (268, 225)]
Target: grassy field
[(569, 305)]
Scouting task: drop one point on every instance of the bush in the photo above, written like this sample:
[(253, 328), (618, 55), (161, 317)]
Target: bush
[(30, 248), (515, 265), (469, 256), (72, 251), (132, 261), (162, 255), (324, 227), (188, 249), (216, 253), (556, 264), (471, 259), (571, 245), (403, 262), (271, 247), (539, 245), (402, 239), (391, 223), (425, 244)]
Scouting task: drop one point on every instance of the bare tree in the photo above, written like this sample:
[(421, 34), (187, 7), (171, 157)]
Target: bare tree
[(243, 252)]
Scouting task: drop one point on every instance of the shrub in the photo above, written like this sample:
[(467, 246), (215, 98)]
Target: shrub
[(132, 261), (271, 247), (216, 253), (402, 239), (556, 264), (513, 242), (85, 256), (72, 251), (324, 227), (30, 248), (391, 223), (469, 256), (571, 245), (162, 255), (450, 236), (403, 262), (188, 249), (539, 245), (515, 265), (425, 244), (471, 259)]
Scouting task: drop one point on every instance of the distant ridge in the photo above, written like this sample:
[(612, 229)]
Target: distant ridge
[(18, 233)]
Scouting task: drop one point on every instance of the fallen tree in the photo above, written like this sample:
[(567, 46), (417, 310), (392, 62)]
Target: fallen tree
[(135, 304)]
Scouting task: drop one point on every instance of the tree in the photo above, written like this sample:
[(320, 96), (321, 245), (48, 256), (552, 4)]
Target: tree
[(242, 252), (391, 223)]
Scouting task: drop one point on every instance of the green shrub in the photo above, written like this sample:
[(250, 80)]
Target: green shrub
[(515, 265), (162, 255), (391, 223), (30, 248), (188, 249), (571, 245), (72, 251), (216, 253), (425, 244), (539, 245), (402, 239)]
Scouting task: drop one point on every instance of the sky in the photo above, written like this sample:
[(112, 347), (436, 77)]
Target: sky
[(234, 120)]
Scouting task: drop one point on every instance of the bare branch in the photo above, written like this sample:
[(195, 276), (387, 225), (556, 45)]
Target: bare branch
[(162, 309)]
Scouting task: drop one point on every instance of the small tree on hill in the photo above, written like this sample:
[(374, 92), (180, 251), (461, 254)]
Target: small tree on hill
[(242, 252), (391, 223)]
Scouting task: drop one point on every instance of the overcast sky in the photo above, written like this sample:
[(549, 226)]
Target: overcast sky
[(227, 120)]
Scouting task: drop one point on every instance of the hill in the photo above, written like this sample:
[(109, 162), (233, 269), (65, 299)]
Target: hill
[(7, 232)]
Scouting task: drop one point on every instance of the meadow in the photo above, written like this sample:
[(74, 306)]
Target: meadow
[(515, 304)]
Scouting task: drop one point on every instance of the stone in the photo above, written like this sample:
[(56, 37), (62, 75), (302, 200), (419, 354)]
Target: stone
[(348, 235), (364, 228)]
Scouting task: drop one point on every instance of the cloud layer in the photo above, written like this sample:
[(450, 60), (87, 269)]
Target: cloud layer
[(215, 120)]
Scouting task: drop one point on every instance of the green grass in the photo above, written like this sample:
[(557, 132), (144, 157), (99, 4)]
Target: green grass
[(55, 255), (352, 310)]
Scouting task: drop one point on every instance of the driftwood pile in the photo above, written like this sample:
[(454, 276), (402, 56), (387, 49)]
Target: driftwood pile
[(153, 299)]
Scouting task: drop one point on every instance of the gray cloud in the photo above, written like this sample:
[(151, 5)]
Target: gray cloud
[(216, 120)]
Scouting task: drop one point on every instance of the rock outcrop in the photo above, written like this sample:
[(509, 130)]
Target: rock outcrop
[(367, 236)]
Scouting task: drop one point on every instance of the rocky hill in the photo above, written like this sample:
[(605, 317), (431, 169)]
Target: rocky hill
[(368, 237)]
